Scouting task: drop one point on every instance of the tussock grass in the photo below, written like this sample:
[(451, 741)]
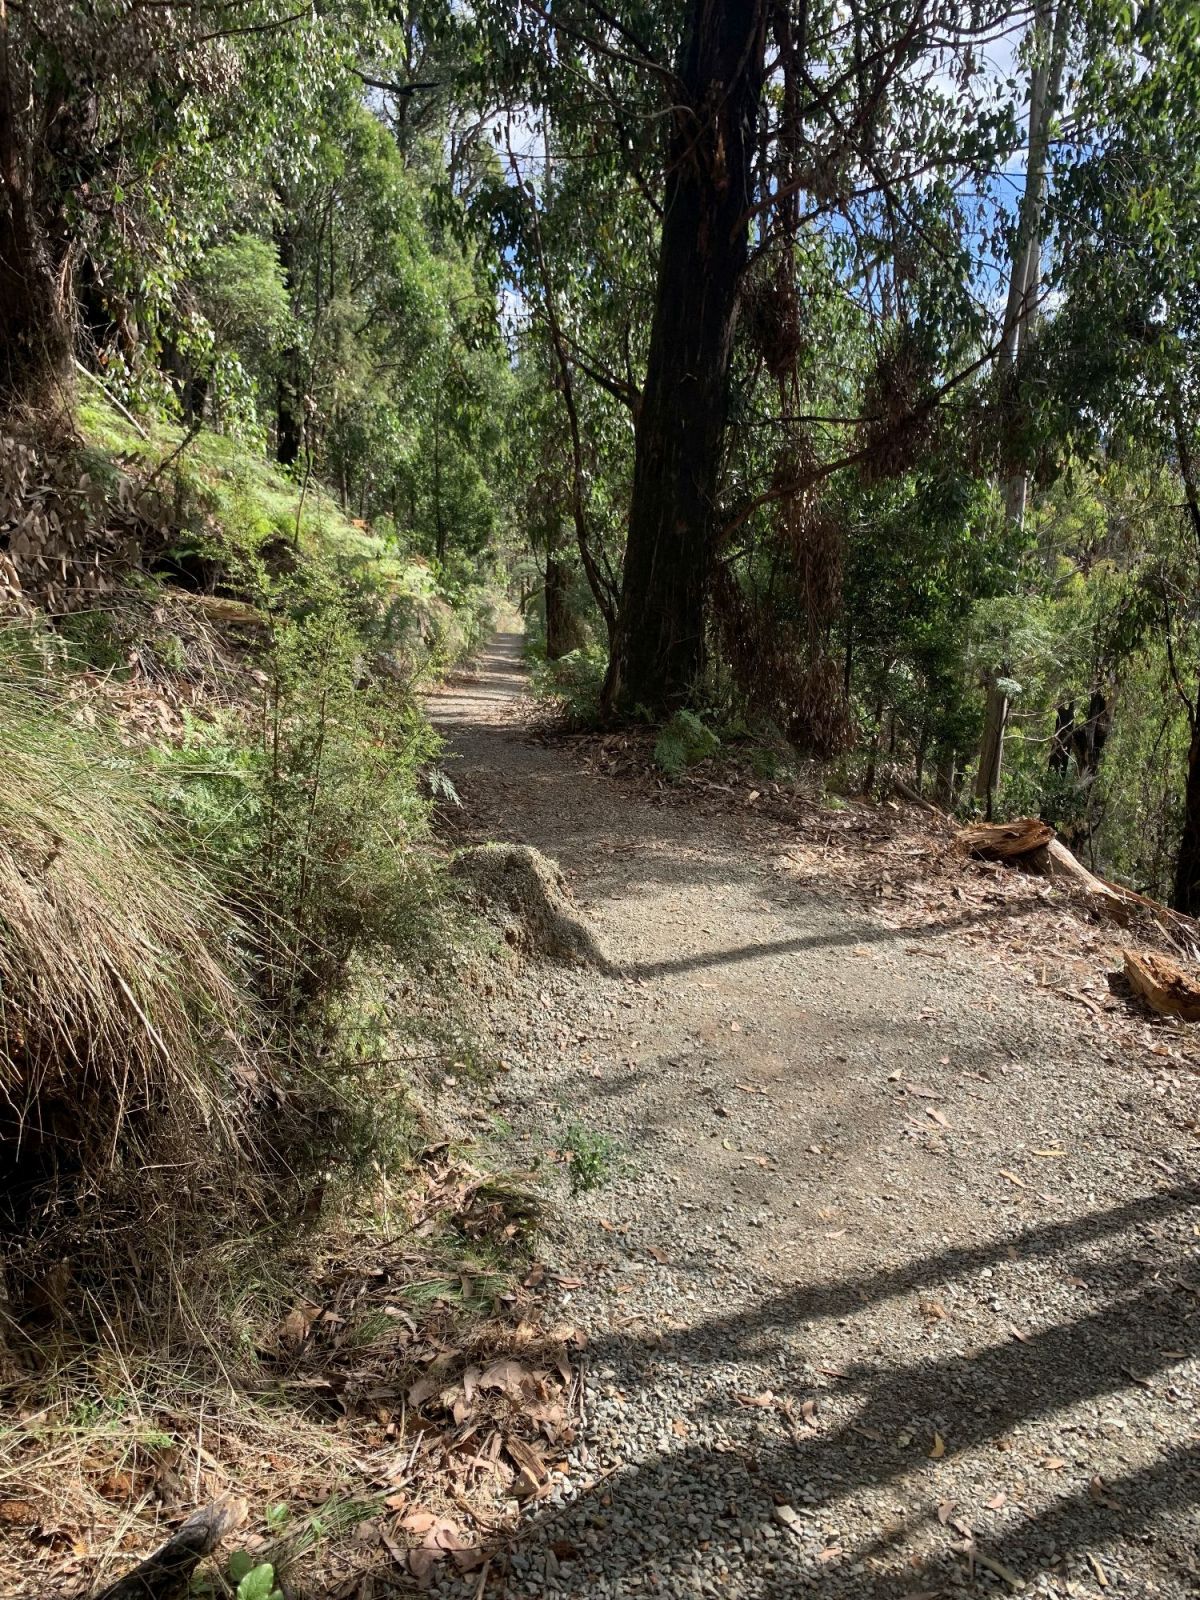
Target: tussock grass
[(123, 1053)]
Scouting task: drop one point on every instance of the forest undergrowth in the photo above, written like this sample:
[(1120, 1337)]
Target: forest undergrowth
[(235, 975)]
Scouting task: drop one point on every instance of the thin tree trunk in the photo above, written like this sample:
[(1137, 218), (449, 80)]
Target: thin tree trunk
[(945, 787), (563, 630), (1186, 895), (289, 405), (991, 749), (658, 652)]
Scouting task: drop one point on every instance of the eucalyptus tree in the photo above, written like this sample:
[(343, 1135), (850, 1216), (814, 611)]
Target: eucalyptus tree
[(123, 126), (744, 130)]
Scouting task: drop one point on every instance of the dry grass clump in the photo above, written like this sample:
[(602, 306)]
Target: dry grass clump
[(122, 1027)]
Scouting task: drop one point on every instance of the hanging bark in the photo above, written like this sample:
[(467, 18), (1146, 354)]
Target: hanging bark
[(658, 649)]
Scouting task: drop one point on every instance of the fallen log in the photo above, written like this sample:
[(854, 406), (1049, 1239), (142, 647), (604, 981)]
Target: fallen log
[(1056, 862), (1006, 841), (1030, 843), (167, 1572), (1162, 984)]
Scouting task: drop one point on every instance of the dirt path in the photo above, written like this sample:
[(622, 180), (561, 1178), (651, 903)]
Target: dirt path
[(898, 1291)]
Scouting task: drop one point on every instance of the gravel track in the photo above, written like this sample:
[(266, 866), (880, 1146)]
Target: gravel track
[(897, 1291)]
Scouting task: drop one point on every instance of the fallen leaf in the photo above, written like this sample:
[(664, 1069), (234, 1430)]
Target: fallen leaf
[(418, 1521), (1054, 1463), (296, 1325), (1047, 1155), (760, 1402), (830, 1553), (421, 1563), (679, 1428), (508, 1376), (18, 1511), (1100, 1495), (935, 1115), (938, 1449), (1012, 1178), (658, 1255), (922, 1091), (998, 1499), (945, 1511)]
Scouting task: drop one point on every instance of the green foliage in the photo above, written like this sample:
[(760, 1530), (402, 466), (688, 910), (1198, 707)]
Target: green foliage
[(684, 743), (592, 1157), (573, 684), (255, 1581), (314, 822)]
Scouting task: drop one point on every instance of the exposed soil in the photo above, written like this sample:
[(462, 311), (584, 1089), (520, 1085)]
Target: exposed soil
[(896, 1290)]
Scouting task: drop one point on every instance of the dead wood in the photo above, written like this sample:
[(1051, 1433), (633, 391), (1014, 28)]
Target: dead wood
[(166, 1573), (1057, 863), (1031, 844), (1162, 984), (1006, 841)]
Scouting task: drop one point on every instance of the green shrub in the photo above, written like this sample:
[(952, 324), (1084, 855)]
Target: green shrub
[(684, 743), (314, 818), (574, 683)]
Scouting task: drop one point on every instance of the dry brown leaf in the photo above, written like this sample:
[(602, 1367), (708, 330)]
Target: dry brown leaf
[(1100, 1495), (510, 1377), (938, 1448), (1013, 1178)]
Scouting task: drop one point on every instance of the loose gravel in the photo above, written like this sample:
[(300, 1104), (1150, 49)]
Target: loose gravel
[(894, 1287)]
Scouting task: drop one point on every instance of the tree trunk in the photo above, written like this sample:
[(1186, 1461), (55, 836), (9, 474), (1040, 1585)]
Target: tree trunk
[(991, 749), (1186, 895), (289, 403), (945, 787), (658, 652), (1063, 741), (563, 630), (37, 335)]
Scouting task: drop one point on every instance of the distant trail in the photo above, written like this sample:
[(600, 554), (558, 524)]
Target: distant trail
[(892, 1237)]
